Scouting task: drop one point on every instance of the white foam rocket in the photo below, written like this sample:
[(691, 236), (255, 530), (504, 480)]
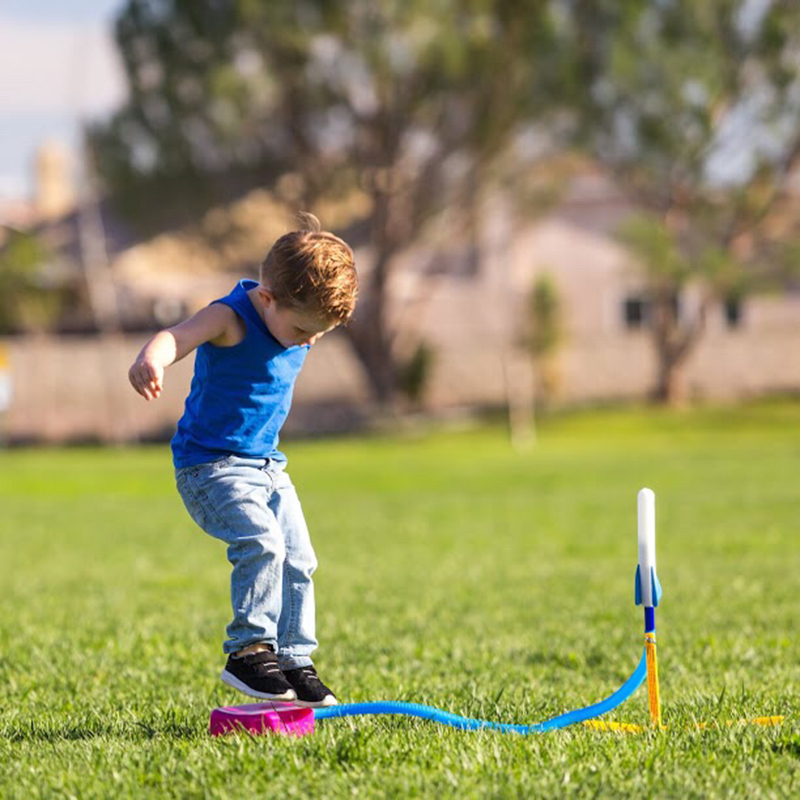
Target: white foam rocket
[(648, 593), (648, 589)]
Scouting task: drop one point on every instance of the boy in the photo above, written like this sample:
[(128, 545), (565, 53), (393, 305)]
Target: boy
[(229, 472)]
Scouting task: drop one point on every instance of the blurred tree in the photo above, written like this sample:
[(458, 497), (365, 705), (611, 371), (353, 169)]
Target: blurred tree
[(546, 335), (694, 108), (407, 103), (414, 374), (721, 278), (27, 301)]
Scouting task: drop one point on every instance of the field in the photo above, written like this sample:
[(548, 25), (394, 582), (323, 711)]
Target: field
[(453, 572)]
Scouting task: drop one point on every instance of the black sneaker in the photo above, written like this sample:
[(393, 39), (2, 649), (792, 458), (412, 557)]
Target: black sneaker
[(258, 675), (311, 691)]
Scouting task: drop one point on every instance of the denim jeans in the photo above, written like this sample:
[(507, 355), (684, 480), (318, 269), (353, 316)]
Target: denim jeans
[(252, 506)]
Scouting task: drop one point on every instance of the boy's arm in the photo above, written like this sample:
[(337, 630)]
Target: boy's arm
[(213, 323)]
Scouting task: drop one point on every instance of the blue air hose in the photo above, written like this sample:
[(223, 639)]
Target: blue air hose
[(465, 723)]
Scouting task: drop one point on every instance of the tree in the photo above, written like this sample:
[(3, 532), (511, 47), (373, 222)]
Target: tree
[(694, 108), (27, 301), (407, 104), (717, 276), (414, 375), (546, 333)]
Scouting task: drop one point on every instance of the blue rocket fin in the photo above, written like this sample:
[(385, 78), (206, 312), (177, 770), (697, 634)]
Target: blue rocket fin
[(655, 585)]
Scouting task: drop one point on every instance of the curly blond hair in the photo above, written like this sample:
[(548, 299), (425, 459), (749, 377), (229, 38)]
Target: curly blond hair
[(312, 270)]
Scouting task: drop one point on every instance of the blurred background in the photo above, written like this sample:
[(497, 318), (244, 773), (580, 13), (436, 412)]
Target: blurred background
[(552, 204)]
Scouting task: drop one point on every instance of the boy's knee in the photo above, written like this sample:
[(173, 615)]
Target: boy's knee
[(305, 563), (258, 548)]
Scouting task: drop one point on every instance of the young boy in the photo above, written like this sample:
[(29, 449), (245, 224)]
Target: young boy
[(230, 474)]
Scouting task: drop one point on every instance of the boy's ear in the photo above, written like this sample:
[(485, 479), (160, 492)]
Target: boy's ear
[(266, 297)]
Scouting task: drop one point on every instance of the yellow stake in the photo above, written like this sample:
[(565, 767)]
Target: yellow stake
[(652, 679), (627, 727)]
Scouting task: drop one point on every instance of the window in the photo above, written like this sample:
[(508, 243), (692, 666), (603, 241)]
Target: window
[(637, 310), (634, 312), (732, 309)]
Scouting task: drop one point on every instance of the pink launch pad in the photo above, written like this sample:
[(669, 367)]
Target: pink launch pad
[(283, 718)]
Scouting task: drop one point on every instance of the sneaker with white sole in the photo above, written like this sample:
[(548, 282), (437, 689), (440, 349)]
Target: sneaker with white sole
[(311, 691), (258, 675)]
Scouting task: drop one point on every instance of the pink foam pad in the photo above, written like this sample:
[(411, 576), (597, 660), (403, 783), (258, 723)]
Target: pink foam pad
[(283, 718)]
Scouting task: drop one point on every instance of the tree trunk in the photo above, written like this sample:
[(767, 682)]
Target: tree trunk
[(372, 347), (370, 336), (670, 389), (518, 379), (674, 343)]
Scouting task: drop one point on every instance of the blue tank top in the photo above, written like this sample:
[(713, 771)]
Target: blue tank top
[(240, 395)]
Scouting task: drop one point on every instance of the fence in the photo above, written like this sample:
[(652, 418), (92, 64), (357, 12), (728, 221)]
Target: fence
[(76, 388)]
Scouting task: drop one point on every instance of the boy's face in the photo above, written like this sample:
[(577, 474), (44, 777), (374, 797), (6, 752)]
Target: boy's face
[(291, 326)]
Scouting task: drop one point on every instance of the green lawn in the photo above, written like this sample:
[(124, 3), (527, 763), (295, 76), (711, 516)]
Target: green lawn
[(453, 572)]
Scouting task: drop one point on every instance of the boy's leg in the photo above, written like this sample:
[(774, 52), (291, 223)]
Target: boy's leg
[(296, 625), (229, 500), (296, 637)]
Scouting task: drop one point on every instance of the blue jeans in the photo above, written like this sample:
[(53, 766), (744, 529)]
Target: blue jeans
[(252, 506)]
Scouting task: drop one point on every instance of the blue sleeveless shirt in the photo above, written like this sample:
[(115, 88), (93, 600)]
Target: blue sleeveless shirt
[(240, 395)]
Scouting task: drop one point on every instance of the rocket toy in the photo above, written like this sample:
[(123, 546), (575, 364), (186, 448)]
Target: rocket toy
[(648, 593)]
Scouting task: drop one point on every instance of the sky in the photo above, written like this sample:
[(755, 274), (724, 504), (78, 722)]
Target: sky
[(58, 67)]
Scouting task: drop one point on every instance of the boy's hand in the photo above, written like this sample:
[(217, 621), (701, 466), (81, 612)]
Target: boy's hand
[(147, 377), (171, 345)]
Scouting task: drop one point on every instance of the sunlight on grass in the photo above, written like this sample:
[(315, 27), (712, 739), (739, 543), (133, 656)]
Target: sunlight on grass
[(453, 572)]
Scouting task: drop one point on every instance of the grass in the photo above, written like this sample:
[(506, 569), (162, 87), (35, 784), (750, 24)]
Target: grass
[(454, 572)]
